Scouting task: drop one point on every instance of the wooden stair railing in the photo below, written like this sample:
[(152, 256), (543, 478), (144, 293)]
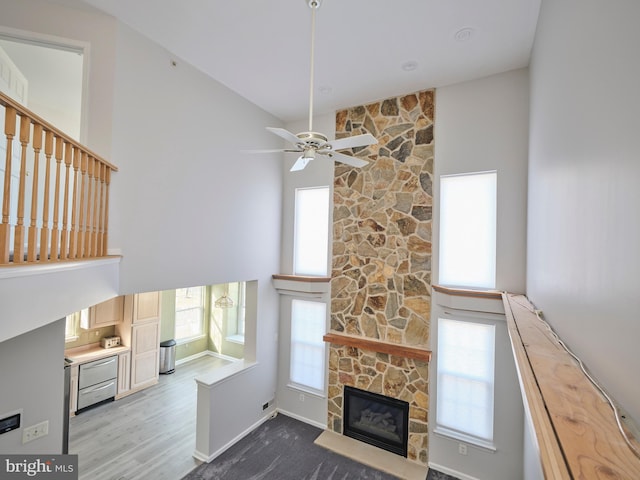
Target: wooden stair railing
[(36, 184)]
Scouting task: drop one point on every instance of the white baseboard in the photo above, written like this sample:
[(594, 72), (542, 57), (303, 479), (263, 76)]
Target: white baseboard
[(450, 471), (204, 458), (206, 353), (322, 426)]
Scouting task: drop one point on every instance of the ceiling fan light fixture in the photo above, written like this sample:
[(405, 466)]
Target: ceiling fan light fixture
[(310, 144)]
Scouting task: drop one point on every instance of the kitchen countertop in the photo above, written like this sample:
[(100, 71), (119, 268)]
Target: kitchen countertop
[(93, 351)]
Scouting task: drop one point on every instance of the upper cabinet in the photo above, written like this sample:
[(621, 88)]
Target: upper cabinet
[(106, 313), (146, 307), (143, 307)]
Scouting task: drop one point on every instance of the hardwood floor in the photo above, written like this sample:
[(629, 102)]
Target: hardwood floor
[(149, 434)]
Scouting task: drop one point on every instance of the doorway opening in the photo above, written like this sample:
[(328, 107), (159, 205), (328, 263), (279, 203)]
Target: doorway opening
[(47, 77)]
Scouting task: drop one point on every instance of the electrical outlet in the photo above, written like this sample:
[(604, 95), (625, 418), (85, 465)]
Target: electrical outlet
[(35, 431), (301, 397), (462, 449)]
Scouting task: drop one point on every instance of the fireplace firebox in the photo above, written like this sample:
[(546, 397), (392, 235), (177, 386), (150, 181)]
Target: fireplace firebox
[(376, 419)]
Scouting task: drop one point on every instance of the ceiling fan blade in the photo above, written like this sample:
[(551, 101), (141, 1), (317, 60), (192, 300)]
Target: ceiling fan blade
[(274, 150), (346, 159), (287, 135), (300, 163), (355, 141)]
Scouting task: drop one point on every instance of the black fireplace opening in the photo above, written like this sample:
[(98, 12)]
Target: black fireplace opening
[(376, 419)]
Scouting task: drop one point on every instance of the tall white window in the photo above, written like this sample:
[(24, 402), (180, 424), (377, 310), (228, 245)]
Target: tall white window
[(73, 324), (311, 231), (189, 320), (466, 361), (468, 230), (308, 320), (236, 316)]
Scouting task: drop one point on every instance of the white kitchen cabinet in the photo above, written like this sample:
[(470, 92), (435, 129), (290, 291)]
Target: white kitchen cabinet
[(106, 313), (145, 353), (145, 307), (140, 330), (124, 373)]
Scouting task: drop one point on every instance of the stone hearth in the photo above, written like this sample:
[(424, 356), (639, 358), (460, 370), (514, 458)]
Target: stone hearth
[(381, 266)]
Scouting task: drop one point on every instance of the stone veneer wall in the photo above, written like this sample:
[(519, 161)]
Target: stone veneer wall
[(381, 267)]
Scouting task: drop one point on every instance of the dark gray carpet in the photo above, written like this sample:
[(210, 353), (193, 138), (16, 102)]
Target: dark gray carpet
[(282, 448)]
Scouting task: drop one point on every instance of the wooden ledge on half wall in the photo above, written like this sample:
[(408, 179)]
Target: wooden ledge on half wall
[(379, 346), (575, 428), (466, 292), (300, 284)]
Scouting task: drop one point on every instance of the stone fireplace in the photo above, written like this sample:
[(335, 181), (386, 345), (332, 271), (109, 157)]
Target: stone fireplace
[(381, 266)]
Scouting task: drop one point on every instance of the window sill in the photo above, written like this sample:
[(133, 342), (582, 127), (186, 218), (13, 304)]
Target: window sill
[(239, 339), (487, 301), (468, 439), (182, 341), (308, 390)]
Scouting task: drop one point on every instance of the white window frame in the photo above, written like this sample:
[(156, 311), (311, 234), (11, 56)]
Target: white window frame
[(236, 327), (465, 366), (313, 344), (468, 230), (73, 323), (311, 232), (201, 307)]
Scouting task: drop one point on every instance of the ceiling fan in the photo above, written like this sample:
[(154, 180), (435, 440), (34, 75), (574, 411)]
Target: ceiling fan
[(310, 144)]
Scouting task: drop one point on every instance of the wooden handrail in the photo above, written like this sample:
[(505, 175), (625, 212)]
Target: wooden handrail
[(30, 230)]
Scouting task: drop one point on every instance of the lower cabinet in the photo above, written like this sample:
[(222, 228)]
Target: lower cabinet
[(145, 353), (140, 330), (124, 373)]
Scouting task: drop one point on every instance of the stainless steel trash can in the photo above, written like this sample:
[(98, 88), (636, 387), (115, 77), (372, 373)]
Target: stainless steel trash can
[(168, 356)]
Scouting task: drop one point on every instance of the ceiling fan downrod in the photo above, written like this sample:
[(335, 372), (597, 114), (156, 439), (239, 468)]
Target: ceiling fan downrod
[(314, 5)]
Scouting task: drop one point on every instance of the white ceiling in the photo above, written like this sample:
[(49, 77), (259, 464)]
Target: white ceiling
[(261, 49)]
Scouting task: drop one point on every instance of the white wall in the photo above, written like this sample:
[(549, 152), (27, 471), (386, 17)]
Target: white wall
[(28, 376), (187, 208), (584, 227), (34, 296), (482, 125), (31, 301), (319, 172)]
